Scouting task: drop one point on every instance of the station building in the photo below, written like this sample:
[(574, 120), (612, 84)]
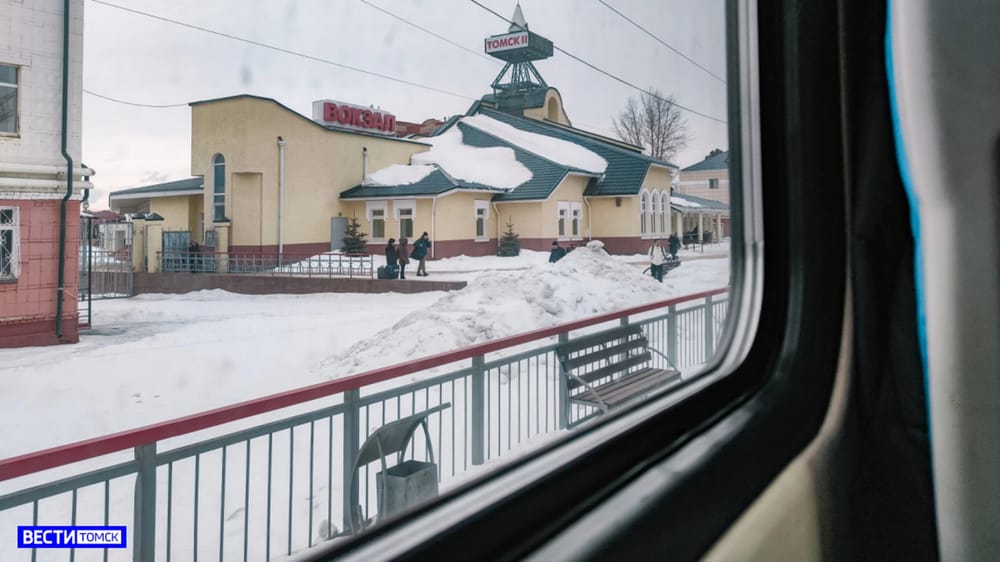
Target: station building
[(271, 180)]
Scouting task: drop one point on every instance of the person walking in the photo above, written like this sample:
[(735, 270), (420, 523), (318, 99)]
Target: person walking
[(420, 249), (557, 253), (657, 258), (674, 244), (403, 254), (391, 258)]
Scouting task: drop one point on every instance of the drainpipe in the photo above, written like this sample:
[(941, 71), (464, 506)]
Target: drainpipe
[(281, 200), (60, 285), (499, 232), (364, 163), (434, 204), (84, 203), (590, 220)]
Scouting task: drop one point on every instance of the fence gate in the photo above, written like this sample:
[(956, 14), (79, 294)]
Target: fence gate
[(175, 250), (105, 263)]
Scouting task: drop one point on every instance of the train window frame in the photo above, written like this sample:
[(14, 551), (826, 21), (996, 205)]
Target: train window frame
[(748, 391)]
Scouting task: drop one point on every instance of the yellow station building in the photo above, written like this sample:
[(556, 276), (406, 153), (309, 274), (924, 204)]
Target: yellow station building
[(269, 180)]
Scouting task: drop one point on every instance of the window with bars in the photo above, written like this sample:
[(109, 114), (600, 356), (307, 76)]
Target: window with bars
[(9, 243)]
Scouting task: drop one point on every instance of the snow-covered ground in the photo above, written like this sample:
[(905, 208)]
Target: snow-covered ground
[(155, 357), (158, 357)]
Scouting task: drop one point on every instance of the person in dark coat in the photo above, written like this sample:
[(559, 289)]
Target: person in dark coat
[(674, 244), (557, 253), (391, 256), (420, 248), (403, 254)]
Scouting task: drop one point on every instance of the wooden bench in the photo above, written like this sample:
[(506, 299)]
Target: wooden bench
[(611, 367)]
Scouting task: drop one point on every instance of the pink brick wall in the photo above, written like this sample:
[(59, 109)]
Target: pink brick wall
[(31, 300)]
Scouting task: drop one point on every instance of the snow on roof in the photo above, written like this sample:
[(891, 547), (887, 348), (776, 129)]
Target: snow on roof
[(682, 202), (495, 166), (557, 150), (398, 174), (502, 303)]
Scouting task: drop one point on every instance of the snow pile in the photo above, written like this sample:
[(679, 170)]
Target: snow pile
[(398, 174), (494, 166), (497, 304), (557, 150), (463, 262)]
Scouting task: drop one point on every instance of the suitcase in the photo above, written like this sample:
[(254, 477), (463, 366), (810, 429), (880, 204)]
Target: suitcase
[(388, 272)]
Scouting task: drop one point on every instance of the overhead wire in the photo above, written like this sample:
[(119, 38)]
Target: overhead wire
[(124, 102), (662, 42), (281, 49), (429, 32)]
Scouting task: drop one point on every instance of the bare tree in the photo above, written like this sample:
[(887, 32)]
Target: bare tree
[(654, 122)]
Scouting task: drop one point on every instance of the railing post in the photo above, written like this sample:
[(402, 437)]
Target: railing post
[(478, 443), (144, 530), (563, 389), (672, 335), (352, 443), (709, 329)]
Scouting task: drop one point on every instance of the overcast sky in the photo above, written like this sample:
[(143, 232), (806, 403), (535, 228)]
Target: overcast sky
[(143, 60)]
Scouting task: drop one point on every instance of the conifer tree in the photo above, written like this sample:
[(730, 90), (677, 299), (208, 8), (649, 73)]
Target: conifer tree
[(510, 243), (355, 240)]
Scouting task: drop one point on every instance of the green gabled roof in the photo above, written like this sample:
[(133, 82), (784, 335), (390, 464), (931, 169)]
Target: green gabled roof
[(677, 200), (626, 168), (719, 161), (433, 184), (187, 185), (545, 175)]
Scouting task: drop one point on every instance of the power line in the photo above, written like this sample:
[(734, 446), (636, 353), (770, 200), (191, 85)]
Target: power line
[(282, 50), (662, 42), (608, 74), (109, 98), (429, 32)]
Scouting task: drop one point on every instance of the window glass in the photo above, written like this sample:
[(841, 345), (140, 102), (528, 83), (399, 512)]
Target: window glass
[(219, 190), (406, 223), (378, 223), (8, 99), (482, 220), (298, 136)]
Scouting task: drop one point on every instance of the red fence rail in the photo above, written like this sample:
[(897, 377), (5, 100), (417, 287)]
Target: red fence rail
[(62, 455)]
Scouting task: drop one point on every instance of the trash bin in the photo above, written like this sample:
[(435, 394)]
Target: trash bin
[(406, 483)]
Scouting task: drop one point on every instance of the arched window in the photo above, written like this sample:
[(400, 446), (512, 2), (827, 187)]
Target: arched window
[(553, 109), (664, 212), (643, 211), (654, 208), (219, 186)]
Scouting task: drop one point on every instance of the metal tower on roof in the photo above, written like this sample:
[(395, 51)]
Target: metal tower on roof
[(518, 47)]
